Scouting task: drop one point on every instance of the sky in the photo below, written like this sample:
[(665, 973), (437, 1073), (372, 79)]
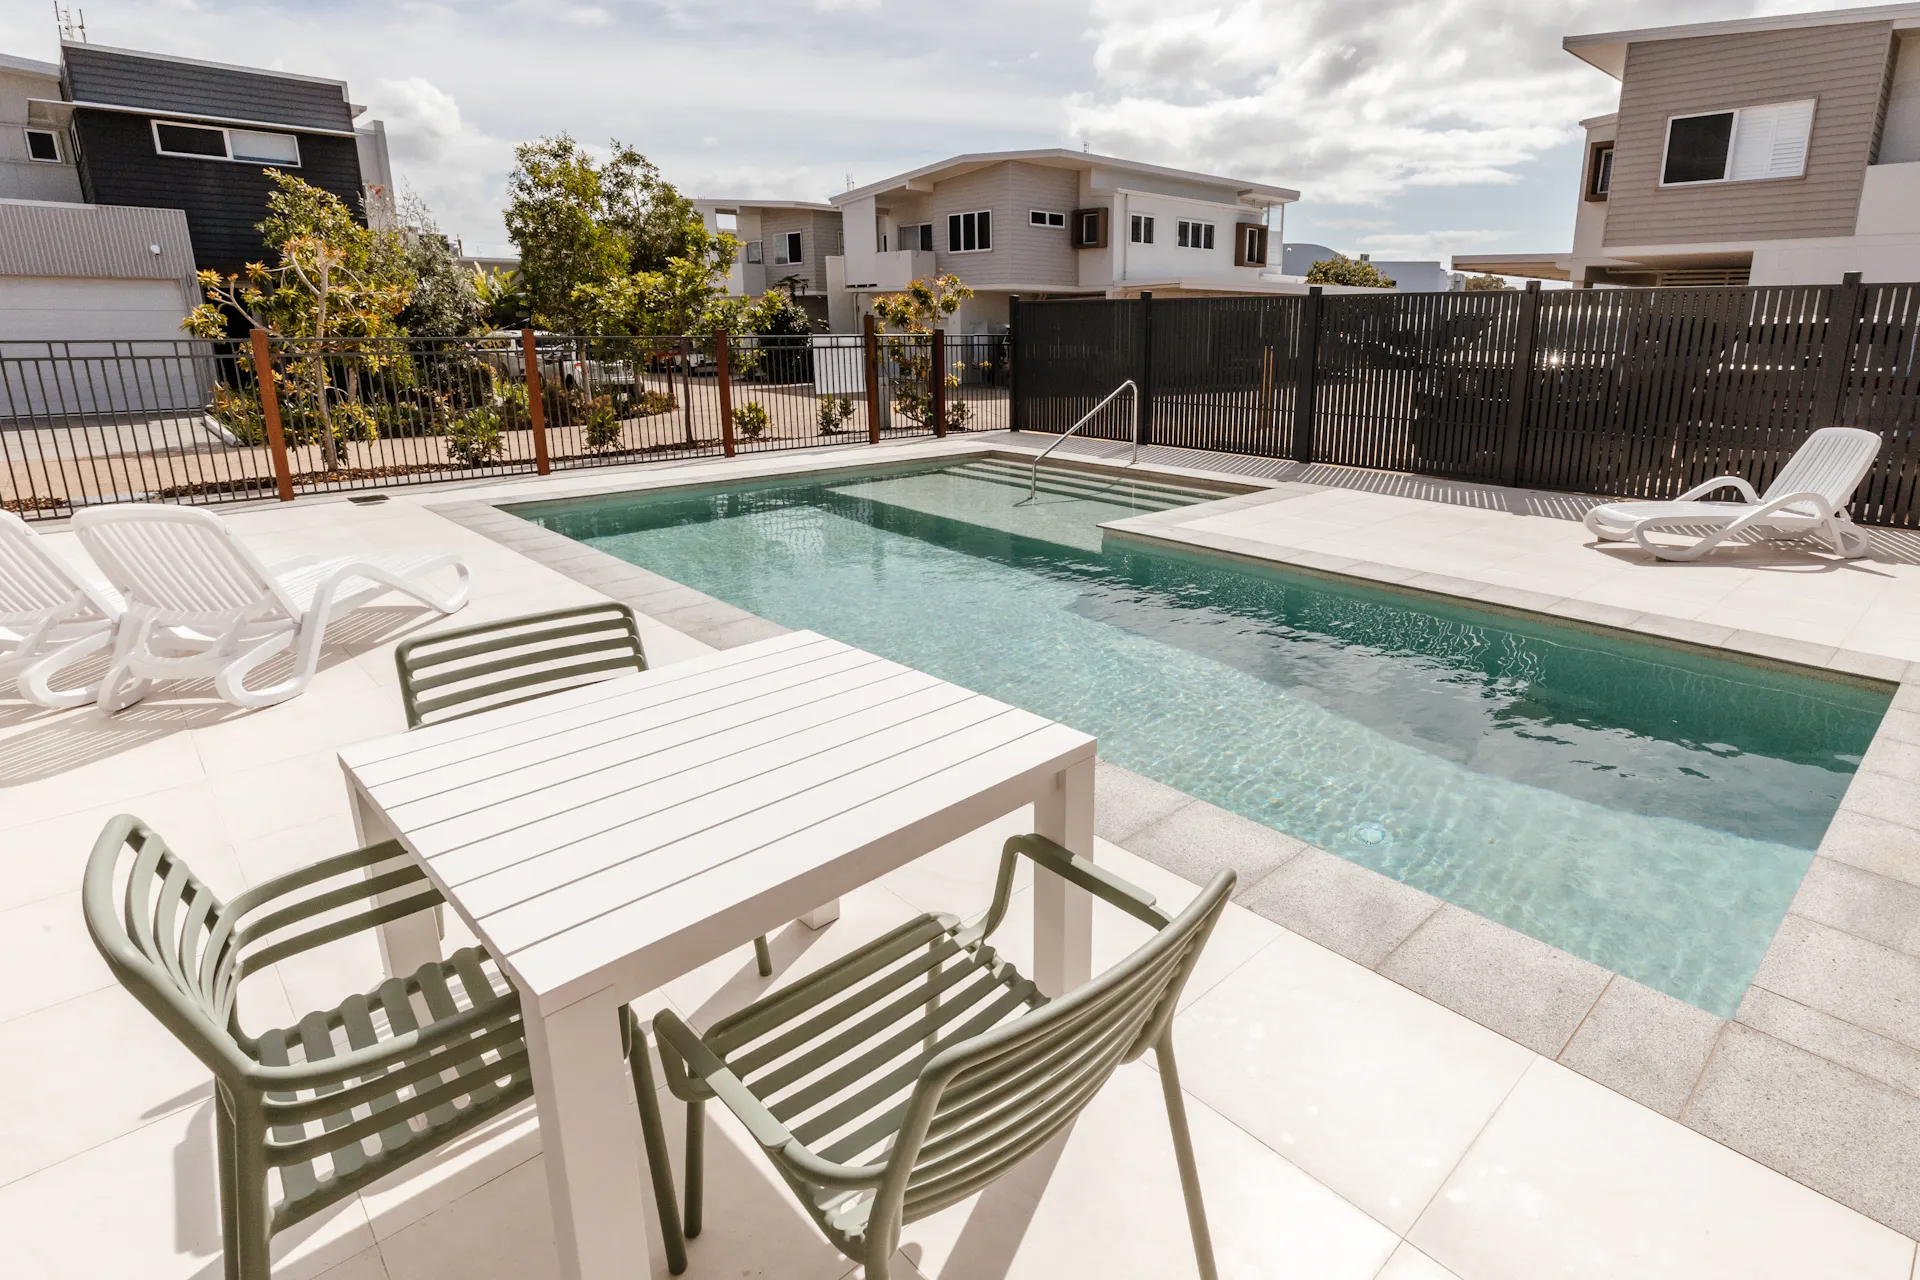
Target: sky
[(1412, 128)]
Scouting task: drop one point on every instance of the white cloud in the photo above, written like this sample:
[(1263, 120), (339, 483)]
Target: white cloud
[(1423, 245), (1353, 102), (454, 165)]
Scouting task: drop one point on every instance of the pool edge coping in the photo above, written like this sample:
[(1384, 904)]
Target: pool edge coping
[(1620, 1046)]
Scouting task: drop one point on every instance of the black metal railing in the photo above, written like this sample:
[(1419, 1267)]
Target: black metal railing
[(187, 421)]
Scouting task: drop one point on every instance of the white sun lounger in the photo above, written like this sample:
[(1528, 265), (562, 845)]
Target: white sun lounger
[(199, 603), (1810, 495), (50, 616)]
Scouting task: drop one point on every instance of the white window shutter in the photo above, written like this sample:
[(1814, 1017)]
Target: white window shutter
[(1793, 123), (1771, 141)]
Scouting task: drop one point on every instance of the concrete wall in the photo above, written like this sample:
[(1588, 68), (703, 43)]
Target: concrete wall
[(21, 177)]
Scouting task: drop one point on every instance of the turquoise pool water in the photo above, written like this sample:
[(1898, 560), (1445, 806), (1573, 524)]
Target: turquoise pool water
[(1649, 809)]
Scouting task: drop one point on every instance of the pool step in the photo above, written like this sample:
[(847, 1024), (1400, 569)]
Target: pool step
[(1061, 482)]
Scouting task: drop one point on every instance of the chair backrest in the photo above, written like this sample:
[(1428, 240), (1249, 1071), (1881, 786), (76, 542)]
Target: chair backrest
[(183, 952), (463, 672), (33, 579), (179, 561), (984, 1104), (1831, 463), (167, 938)]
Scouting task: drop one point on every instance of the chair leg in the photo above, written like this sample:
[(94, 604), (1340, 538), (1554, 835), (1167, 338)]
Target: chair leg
[(249, 1241), (762, 956), (654, 1134), (696, 1164), (226, 1169), (1183, 1154)]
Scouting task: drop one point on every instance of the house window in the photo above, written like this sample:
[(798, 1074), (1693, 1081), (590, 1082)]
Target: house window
[(1142, 228), (1738, 146), (1089, 228), (916, 235), (1250, 245), (756, 252), (207, 143), (970, 232), (43, 145), (1041, 218), (786, 248), (1194, 235), (726, 220), (1600, 172)]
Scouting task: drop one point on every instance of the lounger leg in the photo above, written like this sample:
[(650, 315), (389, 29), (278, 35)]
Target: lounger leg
[(654, 1134), (1183, 1155), (762, 957), (36, 682)]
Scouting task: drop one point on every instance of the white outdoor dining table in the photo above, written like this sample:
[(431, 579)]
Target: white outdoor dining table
[(604, 840)]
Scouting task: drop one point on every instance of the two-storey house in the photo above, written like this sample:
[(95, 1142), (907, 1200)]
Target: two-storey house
[(1054, 223), (784, 244), (123, 172), (1778, 150)]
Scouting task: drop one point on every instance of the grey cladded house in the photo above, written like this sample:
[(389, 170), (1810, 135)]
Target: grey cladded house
[(1777, 150)]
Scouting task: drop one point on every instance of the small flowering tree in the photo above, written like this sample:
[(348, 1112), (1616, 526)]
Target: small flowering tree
[(912, 317), (336, 283)]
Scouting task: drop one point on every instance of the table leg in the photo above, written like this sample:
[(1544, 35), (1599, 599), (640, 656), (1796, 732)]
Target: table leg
[(1062, 913), (597, 1178), (822, 916), (412, 940)]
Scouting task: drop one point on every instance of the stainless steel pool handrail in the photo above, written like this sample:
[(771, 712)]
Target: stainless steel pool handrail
[(1033, 486)]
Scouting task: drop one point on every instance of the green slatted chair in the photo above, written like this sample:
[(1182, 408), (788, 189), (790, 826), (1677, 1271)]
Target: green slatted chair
[(910, 1074), (467, 670), (341, 1097)]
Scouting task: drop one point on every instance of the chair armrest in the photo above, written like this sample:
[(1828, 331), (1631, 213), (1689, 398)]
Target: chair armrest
[(681, 1052), (1075, 870), (361, 1062), (1738, 483)]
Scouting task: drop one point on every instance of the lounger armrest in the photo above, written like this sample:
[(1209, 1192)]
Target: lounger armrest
[(1739, 483), (1081, 872)]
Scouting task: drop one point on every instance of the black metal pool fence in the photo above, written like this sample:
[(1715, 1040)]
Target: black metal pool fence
[(1641, 393), (1633, 392), (83, 423)]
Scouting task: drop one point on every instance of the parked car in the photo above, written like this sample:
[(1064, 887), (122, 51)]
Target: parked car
[(560, 358)]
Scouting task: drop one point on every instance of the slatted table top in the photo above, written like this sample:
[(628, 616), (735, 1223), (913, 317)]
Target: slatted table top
[(629, 828)]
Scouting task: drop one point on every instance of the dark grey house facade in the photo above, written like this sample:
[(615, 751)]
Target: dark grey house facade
[(163, 132)]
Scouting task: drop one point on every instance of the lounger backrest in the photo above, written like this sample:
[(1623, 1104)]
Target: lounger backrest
[(1831, 463), (32, 579), (177, 560)]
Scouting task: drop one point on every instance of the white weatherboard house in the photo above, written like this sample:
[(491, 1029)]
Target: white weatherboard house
[(784, 244), (1777, 150), (1054, 223)]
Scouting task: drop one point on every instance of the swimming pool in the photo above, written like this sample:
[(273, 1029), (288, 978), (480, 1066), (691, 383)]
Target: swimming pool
[(1650, 809)]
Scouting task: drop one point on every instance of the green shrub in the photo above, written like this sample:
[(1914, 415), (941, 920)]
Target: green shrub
[(752, 419), (239, 412), (652, 403), (834, 412), (603, 425), (1354, 272), (474, 437)]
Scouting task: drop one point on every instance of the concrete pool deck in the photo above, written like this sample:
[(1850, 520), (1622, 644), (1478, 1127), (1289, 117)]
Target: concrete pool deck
[(1350, 1124)]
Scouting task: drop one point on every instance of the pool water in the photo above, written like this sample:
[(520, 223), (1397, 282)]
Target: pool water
[(1650, 809)]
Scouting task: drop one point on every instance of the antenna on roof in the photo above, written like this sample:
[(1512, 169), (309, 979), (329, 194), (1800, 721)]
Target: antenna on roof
[(1084, 146), (849, 182), (70, 30)]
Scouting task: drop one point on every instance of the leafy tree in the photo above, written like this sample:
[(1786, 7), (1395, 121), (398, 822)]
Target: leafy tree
[(601, 241), (444, 302), (502, 299), (1485, 284), (914, 315), (558, 217), (1340, 269), (336, 282), (685, 295)]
